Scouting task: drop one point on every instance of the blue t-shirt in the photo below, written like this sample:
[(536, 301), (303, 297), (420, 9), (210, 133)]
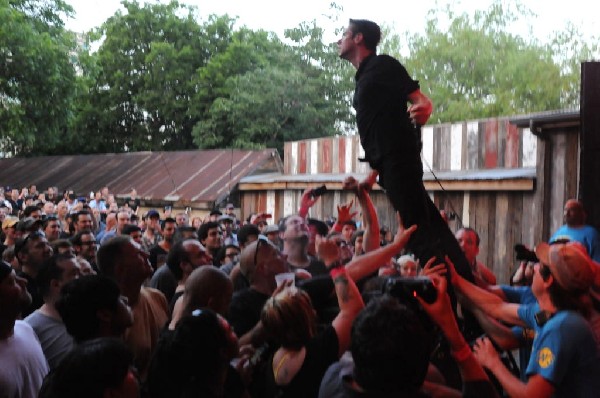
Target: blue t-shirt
[(518, 294), (564, 353), (521, 295), (586, 235)]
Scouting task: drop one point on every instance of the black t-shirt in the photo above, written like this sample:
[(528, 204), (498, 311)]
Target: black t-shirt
[(157, 256), (380, 100), (244, 310), (33, 289), (321, 351), (133, 203), (166, 379), (316, 267)]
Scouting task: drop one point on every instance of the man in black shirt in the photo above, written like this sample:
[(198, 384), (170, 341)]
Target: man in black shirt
[(391, 137)]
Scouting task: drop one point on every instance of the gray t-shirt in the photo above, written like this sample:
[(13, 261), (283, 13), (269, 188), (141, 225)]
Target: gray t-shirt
[(53, 336), (164, 280)]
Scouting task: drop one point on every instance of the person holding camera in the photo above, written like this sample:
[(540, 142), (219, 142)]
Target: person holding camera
[(565, 359), (391, 345)]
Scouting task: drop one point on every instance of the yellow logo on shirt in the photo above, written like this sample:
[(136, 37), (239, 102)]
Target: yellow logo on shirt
[(545, 357)]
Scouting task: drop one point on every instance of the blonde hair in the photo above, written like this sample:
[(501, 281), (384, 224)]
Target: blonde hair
[(289, 318)]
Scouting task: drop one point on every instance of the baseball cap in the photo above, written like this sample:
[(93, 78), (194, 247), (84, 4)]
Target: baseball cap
[(216, 213), (230, 206), (569, 264), (28, 223), (9, 222), (271, 228), (152, 213)]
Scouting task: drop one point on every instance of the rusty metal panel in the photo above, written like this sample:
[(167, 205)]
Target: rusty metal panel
[(185, 177)]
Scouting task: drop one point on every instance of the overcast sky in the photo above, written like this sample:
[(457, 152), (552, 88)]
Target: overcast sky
[(277, 15)]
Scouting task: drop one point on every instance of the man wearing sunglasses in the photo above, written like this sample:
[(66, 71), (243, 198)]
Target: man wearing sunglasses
[(565, 360)]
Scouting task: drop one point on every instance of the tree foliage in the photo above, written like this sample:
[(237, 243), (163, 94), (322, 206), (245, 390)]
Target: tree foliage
[(476, 69), (260, 93), (162, 78), (37, 78)]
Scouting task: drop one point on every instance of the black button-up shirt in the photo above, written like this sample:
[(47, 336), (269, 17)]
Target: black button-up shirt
[(380, 101)]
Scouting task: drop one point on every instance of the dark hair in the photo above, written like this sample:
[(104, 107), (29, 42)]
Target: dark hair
[(204, 228), (350, 223), (170, 220), (245, 231), (82, 213), (370, 31), (76, 239), (222, 251), (47, 219), (30, 209), (355, 235), (320, 226), (61, 243), (191, 360), (109, 252), (176, 255), (562, 298), (390, 347), (49, 271), (88, 370), (81, 299), (128, 229)]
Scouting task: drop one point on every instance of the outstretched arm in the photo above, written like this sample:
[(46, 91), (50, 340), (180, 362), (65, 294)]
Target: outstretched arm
[(349, 298), (441, 313), (488, 302), (306, 202), (363, 266), (371, 237)]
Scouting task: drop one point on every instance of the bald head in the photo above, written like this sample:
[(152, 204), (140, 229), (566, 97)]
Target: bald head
[(574, 214), (207, 287)]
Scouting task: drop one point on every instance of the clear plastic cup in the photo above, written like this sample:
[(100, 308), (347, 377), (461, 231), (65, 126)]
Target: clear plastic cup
[(286, 276)]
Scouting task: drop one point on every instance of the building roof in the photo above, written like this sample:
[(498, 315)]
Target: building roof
[(501, 179), (549, 121), (201, 177)]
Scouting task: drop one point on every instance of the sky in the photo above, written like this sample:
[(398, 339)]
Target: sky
[(277, 15)]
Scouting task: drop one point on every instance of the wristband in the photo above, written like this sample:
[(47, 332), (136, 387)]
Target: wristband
[(337, 271), (462, 354)]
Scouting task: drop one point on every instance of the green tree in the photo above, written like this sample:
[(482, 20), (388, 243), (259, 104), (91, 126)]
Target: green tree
[(260, 92), (144, 77), (37, 78), (475, 68)]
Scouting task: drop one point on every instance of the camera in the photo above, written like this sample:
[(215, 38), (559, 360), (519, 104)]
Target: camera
[(524, 254), (318, 191), (407, 289)]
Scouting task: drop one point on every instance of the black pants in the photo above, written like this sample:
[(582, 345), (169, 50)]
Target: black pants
[(403, 184), (404, 187)]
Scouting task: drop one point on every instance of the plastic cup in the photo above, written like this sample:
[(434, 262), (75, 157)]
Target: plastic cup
[(286, 276)]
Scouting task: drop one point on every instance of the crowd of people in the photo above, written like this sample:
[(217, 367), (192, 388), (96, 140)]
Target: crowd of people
[(107, 301), (100, 299)]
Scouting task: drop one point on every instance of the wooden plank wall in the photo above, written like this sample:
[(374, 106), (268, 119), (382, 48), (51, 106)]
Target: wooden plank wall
[(502, 219), (484, 144)]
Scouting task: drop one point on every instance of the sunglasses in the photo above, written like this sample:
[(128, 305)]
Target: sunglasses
[(262, 240)]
